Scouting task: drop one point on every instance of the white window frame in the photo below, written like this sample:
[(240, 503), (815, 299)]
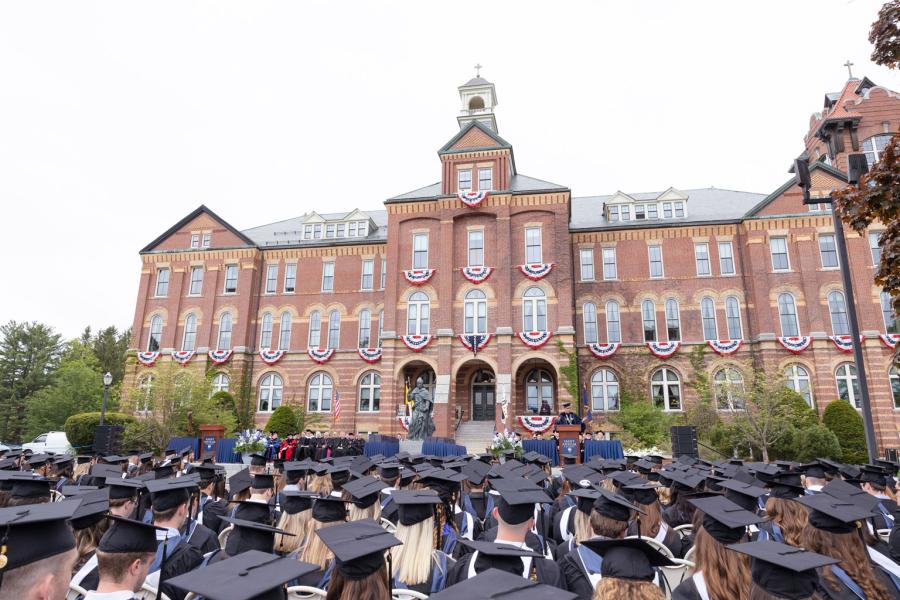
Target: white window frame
[(698, 259), (420, 252), (793, 305), (271, 279), (707, 300), (845, 372), (603, 388), (650, 261), (195, 240), (672, 302), (228, 269), (221, 383), (191, 292), (459, 180), (370, 263), (729, 317), (418, 301), (875, 247), (722, 271), (320, 382), (383, 274), (155, 333), (328, 276), (534, 303), (837, 302), (587, 266), (268, 383), (649, 318), (290, 278), (887, 307), (665, 382), (732, 381), (284, 334), (539, 245), (314, 336), (266, 331), (475, 313), (610, 251), (894, 385), (837, 260), (168, 272), (224, 319), (206, 241), (610, 338), (371, 381), (471, 236), (793, 380), (190, 329), (334, 330), (364, 327), (772, 254), (589, 309), (490, 179)]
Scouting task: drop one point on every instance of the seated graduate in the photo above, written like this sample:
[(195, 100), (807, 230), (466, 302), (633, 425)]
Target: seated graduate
[(474, 498), (875, 483), (38, 551), (580, 517), (389, 474), (645, 497), (628, 569), (326, 512), (245, 536), (533, 540), (446, 483), (562, 513), (88, 524), (494, 583), (780, 571), (63, 471), (296, 512), (258, 464), (238, 490), (417, 564), (123, 496), (124, 556), (362, 498), (211, 507), (359, 570), (684, 484), (785, 517), (24, 492)]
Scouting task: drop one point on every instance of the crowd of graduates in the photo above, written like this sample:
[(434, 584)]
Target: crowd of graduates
[(367, 528)]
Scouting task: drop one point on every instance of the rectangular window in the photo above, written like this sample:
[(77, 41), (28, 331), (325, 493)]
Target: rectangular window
[(708, 315), (328, 276), (778, 247), (673, 321), (626, 212), (340, 230), (875, 247), (329, 230), (679, 210), (290, 278), (317, 231), (667, 210), (533, 248), (733, 318), (383, 272), (726, 259), (196, 281), (464, 180), (656, 261), (652, 211), (231, 279), (271, 279), (207, 238), (420, 251), (162, 283), (828, 251), (891, 324), (609, 264), (701, 258), (476, 247), (648, 314), (639, 214), (351, 229), (485, 179), (587, 264), (195, 240), (589, 316), (613, 325), (363, 229), (613, 214), (307, 232), (368, 274)]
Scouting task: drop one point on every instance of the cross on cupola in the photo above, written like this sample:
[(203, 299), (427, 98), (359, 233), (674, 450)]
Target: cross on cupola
[(849, 64)]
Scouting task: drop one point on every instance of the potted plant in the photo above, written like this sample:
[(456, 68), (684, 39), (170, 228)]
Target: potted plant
[(508, 440), (249, 442)]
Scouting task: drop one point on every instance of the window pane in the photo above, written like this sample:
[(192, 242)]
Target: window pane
[(589, 315), (788, 315), (533, 253), (875, 247), (327, 276), (726, 260), (828, 251), (701, 256), (271, 279), (587, 264), (365, 328), (613, 331), (838, 309), (334, 329), (420, 251), (265, 337), (162, 283), (656, 265), (284, 334), (368, 274), (225, 331), (196, 281), (708, 313), (476, 248), (609, 263), (733, 318), (648, 312), (891, 324), (464, 180), (315, 329), (780, 260), (485, 179), (231, 277), (673, 321)]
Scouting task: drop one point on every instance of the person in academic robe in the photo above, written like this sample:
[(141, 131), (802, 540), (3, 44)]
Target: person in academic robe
[(651, 524), (252, 574), (124, 556), (296, 512), (786, 518), (327, 512), (211, 508), (578, 527), (567, 417), (874, 483), (628, 569), (244, 537), (417, 565), (389, 474), (89, 524), (781, 571)]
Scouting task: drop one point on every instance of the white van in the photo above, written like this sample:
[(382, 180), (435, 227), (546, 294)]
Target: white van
[(52, 441)]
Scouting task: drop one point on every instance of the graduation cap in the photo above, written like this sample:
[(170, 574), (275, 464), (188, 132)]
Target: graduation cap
[(873, 474), (8, 464), (535, 457), (621, 478), (684, 480), (7, 478), (535, 473), (35, 532), (295, 502), (364, 491), (581, 475), (207, 473), (250, 535), (786, 485), (813, 469), (39, 460), (641, 493), (76, 490), (389, 470), (784, 571), (249, 510), (146, 457), (123, 489), (295, 470), (114, 459), (630, 558), (475, 471), (257, 460), (723, 519), (329, 509), (340, 474), (239, 482), (745, 495), (835, 515), (493, 555), (166, 494), (890, 466), (584, 499), (846, 491), (494, 584), (517, 505), (358, 547), (163, 470), (415, 506), (261, 481), (613, 506), (127, 536), (30, 488), (93, 508), (253, 574), (444, 481), (63, 462)]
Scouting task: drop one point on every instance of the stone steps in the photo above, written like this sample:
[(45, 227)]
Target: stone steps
[(476, 436)]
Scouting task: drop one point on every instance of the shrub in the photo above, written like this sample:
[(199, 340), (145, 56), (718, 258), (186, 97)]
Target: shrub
[(846, 424), (644, 424), (726, 439), (786, 446), (817, 441), (80, 428), (283, 421), (147, 435), (797, 411)]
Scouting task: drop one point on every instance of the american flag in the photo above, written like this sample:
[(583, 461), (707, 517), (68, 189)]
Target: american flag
[(337, 406)]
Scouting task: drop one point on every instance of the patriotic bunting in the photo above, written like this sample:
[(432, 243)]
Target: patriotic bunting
[(663, 349), (416, 343), (219, 356), (890, 339), (475, 343), (535, 339), (404, 422), (270, 357), (477, 274), (147, 358), (536, 424), (472, 199), (536, 271), (320, 355), (725, 347), (418, 276), (844, 343), (182, 357), (604, 350), (795, 344), (370, 355)]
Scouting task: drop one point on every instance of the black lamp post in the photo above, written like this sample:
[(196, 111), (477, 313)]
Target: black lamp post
[(107, 381)]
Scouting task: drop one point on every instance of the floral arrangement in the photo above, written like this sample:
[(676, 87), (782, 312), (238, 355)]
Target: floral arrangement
[(642, 452), (251, 441), (508, 440)]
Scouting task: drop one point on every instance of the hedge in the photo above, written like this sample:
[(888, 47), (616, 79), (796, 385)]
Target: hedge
[(283, 421), (80, 427), (847, 425)]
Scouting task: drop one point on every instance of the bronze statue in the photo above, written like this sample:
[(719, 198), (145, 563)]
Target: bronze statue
[(421, 425)]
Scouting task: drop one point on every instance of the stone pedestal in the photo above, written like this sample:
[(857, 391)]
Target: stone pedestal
[(411, 446)]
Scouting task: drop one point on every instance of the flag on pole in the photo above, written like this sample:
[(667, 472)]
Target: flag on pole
[(406, 401), (586, 401), (337, 406)]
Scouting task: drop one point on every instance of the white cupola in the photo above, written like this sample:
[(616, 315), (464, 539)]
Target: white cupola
[(477, 101)]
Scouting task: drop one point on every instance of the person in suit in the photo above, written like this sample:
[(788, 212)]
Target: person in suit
[(567, 417)]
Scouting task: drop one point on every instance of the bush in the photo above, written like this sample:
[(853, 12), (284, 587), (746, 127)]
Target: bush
[(643, 424), (726, 439), (798, 412), (786, 446), (80, 428), (846, 424), (147, 436), (283, 421), (817, 441)]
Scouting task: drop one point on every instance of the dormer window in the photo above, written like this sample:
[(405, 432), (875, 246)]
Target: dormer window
[(307, 232), (626, 212), (613, 214), (351, 229), (464, 180), (667, 210), (329, 230), (486, 179), (340, 230), (639, 214), (652, 211), (679, 210), (317, 231), (363, 229)]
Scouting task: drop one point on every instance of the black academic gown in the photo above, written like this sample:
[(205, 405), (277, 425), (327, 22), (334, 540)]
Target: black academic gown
[(489, 535), (672, 540), (558, 526), (542, 570), (687, 590), (213, 512), (204, 539), (576, 577), (845, 593), (185, 557)]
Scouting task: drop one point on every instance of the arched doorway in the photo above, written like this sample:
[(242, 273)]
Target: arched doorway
[(536, 388), (411, 372), (484, 395)]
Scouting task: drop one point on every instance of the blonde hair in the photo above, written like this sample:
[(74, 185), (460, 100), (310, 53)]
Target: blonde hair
[(790, 516), (582, 526), (314, 550), (358, 514), (321, 484), (611, 588), (412, 559), (296, 524), (81, 469), (609, 485)]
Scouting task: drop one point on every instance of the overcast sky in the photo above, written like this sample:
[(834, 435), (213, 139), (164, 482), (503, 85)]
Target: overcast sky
[(118, 118)]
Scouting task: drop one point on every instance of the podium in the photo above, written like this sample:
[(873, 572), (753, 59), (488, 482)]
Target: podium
[(210, 435), (569, 442)]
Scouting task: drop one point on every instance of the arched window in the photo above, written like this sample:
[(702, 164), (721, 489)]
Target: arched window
[(315, 329), (589, 316), (894, 378), (847, 384), (144, 400), (220, 383), (380, 327), (787, 314), (891, 322), (729, 387), (271, 387), (673, 320), (648, 314), (369, 392), (874, 146), (604, 390), (733, 318), (284, 334), (613, 325), (534, 310), (476, 103), (539, 392), (837, 307), (475, 307), (417, 310), (665, 389), (224, 332), (318, 393), (365, 328), (265, 333), (189, 341), (708, 315), (156, 327), (334, 329), (796, 378)]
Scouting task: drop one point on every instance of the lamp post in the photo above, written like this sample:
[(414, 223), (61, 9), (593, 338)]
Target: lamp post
[(107, 381)]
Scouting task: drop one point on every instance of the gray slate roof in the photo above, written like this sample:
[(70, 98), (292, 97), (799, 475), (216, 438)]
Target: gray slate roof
[(290, 231), (518, 183), (476, 81), (703, 205)]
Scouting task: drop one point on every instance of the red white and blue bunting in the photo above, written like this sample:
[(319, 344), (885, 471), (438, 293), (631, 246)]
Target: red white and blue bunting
[(472, 199), (663, 349), (416, 343), (219, 357), (795, 344), (536, 271), (270, 357), (536, 424), (535, 339), (404, 422), (603, 351), (475, 343), (370, 355), (890, 339), (725, 347), (182, 357), (477, 274), (419, 276), (320, 356), (844, 343), (148, 359)]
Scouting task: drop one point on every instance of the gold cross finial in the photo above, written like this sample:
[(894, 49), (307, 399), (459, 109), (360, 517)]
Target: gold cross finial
[(478, 68), (849, 64)]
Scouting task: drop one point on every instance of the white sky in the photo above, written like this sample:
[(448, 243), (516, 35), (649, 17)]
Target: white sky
[(118, 118)]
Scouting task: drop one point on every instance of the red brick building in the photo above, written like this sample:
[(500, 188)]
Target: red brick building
[(380, 298)]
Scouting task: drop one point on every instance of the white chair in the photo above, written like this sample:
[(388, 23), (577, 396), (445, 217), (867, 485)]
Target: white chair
[(148, 592), (388, 526), (407, 595), (223, 537), (190, 596), (75, 591), (884, 535), (658, 546), (675, 575), (304, 592), (689, 555), (684, 531), (56, 496)]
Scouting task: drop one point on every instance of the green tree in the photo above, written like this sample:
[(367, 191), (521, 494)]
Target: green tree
[(764, 420), (846, 424), (817, 441), (283, 421), (702, 414), (110, 346), (146, 435), (643, 424), (305, 419)]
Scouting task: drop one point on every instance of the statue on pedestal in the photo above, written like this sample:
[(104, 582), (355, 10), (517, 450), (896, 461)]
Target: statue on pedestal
[(421, 425)]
